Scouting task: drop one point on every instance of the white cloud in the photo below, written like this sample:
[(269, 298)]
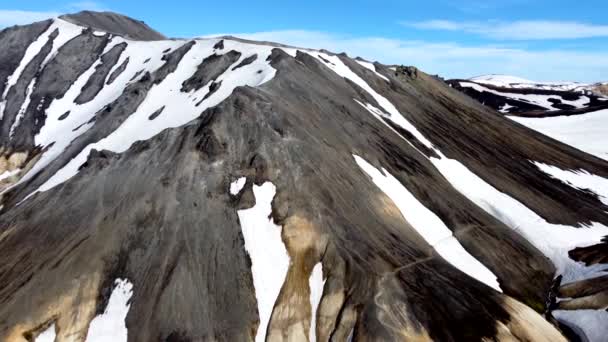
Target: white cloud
[(85, 5), (17, 17), (453, 60), (20, 17), (517, 30)]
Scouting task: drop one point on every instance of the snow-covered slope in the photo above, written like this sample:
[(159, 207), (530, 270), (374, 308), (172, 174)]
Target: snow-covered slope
[(223, 189)]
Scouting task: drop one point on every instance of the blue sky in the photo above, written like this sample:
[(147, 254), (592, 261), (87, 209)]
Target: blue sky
[(540, 40)]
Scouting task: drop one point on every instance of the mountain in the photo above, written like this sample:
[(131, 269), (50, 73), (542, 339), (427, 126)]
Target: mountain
[(513, 95), (231, 190)]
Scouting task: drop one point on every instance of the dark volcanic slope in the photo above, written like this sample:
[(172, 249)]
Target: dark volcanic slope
[(241, 191)]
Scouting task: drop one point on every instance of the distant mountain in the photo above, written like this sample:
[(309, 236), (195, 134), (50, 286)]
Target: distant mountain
[(230, 190), (513, 95)]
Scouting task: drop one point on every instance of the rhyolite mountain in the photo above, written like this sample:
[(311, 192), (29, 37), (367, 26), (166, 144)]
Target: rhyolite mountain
[(161, 189)]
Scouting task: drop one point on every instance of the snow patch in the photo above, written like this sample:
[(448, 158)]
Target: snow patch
[(428, 225), (237, 185), (47, 336), (316, 283), (23, 109), (269, 258), (372, 67), (505, 108), (8, 174), (66, 31), (110, 326), (580, 179)]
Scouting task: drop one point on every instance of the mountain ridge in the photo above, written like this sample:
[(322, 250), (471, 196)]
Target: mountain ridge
[(394, 196)]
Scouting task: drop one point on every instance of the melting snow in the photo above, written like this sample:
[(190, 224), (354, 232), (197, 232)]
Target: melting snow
[(588, 132), (269, 258), (110, 326), (428, 225), (316, 283)]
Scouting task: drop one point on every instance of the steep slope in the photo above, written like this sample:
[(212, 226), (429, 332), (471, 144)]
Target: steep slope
[(220, 189)]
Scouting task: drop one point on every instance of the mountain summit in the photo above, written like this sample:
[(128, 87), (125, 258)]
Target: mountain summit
[(115, 24), (220, 189)]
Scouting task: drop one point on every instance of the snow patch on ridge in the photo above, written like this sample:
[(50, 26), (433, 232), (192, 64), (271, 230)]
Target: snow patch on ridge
[(335, 64), (269, 258), (372, 67), (316, 284), (428, 225), (110, 326)]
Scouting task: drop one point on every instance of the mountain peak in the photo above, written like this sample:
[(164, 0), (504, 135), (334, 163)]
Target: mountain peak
[(114, 23)]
